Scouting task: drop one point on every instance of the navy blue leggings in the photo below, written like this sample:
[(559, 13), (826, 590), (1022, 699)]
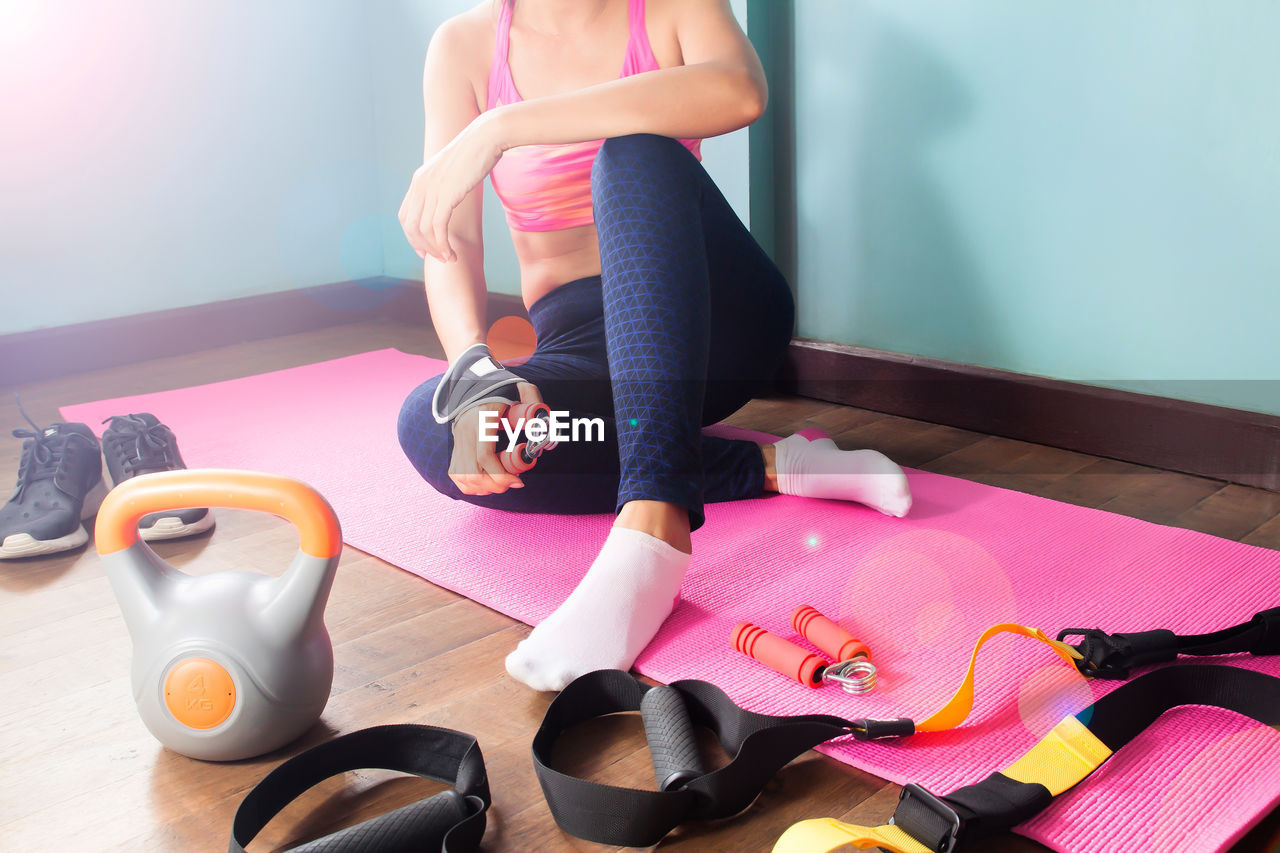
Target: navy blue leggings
[(687, 321)]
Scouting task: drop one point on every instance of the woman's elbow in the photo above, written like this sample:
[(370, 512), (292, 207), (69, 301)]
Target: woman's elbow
[(753, 96)]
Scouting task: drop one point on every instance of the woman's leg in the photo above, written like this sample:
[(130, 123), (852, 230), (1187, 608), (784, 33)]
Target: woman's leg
[(571, 371), (651, 196), (697, 318), (576, 477)]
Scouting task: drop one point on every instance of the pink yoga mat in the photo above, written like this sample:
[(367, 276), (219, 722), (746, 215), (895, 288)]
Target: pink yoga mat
[(919, 590)]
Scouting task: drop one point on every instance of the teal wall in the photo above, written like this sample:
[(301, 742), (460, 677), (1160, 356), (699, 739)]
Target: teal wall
[(399, 32), (1087, 190), (157, 154)]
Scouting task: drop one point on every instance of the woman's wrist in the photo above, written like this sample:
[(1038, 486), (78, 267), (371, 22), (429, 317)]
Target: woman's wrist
[(494, 127)]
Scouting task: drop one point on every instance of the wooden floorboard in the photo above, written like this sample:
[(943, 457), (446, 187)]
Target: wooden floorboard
[(81, 772)]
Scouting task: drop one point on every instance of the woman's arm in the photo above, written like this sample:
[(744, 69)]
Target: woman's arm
[(455, 291), (719, 88)]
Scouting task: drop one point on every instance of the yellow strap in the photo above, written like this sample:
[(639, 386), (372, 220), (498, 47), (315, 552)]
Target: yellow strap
[(1063, 757), (958, 707), (824, 834)]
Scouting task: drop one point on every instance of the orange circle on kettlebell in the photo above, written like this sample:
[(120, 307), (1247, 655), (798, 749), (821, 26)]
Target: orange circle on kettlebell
[(199, 693), (511, 340)]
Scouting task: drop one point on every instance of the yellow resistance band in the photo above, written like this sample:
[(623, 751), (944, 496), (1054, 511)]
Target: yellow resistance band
[(1065, 756), (958, 707)]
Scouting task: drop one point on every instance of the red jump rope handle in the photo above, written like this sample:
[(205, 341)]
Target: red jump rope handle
[(515, 461), (778, 654), (827, 635)]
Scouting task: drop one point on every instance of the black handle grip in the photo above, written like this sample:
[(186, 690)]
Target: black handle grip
[(409, 829), (672, 744)]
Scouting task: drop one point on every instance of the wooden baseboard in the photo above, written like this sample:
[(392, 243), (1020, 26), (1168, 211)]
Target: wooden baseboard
[(1195, 438), (49, 353), (64, 350), (1213, 441)]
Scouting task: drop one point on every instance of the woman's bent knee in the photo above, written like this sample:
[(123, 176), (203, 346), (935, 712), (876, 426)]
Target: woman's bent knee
[(426, 443), (646, 153)]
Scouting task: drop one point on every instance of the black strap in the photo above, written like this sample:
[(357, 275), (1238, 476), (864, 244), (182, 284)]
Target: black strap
[(1116, 655), (449, 822), (998, 803), (760, 746)]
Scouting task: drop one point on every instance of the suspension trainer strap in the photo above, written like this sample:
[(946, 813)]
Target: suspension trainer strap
[(1104, 655), (926, 823), (450, 822), (1099, 655), (760, 746)]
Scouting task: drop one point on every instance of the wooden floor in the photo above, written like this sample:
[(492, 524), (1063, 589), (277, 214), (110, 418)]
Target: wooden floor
[(81, 772)]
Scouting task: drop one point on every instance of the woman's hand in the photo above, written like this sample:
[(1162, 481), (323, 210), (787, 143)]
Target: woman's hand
[(440, 184), (474, 467)]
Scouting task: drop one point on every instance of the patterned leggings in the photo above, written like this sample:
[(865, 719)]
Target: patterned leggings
[(687, 321)]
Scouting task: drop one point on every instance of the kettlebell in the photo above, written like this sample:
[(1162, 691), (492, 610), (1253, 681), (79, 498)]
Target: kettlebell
[(232, 664)]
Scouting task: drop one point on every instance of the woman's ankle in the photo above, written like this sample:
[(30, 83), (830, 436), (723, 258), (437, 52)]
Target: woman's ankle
[(666, 521), (770, 455)]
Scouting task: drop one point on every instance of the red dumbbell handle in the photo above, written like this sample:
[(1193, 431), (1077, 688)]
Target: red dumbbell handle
[(778, 654), (827, 635)]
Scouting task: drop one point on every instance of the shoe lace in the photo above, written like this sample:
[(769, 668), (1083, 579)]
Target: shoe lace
[(150, 442), (40, 458)]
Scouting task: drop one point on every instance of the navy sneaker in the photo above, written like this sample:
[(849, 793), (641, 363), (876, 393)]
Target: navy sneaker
[(59, 485), (140, 444)]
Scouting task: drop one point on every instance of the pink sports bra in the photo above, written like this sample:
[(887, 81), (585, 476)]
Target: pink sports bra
[(548, 187)]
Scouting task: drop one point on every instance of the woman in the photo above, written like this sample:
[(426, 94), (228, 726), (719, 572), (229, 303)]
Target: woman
[(653, 306)]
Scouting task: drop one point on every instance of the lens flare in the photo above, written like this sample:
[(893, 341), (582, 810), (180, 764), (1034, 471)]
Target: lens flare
[(511, 340), (18, 20), (1049, 694)]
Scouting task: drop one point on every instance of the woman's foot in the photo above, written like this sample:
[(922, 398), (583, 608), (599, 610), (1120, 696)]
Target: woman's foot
[(816, 468), (610, 617)]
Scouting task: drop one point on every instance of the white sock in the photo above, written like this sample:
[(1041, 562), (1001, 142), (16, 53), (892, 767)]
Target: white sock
[(609, 618), (819, 469)]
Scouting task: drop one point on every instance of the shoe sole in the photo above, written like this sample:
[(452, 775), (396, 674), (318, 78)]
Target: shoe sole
[(19, 545), (167, 526), (171, 527)]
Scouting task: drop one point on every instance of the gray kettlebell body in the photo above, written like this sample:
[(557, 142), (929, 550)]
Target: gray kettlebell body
[(231, 664)]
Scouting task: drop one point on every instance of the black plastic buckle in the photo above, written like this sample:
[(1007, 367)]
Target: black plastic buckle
[(933, 803), (1101, 656)]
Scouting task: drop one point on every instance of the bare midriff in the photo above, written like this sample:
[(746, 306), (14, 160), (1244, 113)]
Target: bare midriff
[(549, 259)]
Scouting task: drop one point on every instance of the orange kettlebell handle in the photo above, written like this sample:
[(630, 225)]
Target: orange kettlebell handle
[(126, 504)]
